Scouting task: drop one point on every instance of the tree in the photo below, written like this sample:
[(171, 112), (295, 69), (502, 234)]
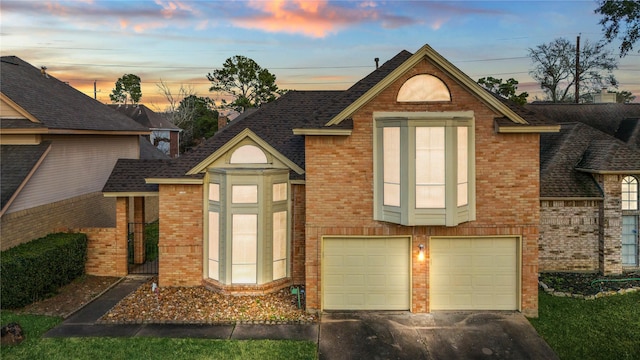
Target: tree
[(201, 120), (555, 68), (616, 13), (127, 87), (248, 84), (624, 97), (507, 89)]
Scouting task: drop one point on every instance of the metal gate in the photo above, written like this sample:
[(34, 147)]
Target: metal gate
[(142, 248)]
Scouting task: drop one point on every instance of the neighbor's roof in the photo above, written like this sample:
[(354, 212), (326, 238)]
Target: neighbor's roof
[(17, 163), (567, 158), (144, 116), (55, 104), (619, 120)]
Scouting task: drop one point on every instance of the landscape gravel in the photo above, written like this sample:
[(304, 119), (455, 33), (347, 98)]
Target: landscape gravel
[(198, 305)]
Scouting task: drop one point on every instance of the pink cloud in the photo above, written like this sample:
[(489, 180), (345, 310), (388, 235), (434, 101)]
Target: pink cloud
[(311, 18)]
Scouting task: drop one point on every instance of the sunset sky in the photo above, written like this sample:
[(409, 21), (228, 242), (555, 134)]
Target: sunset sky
[(306, 44)]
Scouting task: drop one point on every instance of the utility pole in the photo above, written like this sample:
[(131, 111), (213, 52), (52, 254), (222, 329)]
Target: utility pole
[(95, 92), (578, 69)]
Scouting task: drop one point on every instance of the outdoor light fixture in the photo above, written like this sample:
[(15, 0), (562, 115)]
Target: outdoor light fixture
[(421, 252)]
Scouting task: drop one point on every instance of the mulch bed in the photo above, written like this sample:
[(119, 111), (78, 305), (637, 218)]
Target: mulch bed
[(588, 284), (198, 305)]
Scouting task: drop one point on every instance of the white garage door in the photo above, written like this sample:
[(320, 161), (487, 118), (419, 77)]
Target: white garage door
[(366, 274), (473, 274)]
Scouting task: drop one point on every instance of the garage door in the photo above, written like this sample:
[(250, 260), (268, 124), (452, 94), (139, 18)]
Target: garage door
[(473, 274), (366, 274)]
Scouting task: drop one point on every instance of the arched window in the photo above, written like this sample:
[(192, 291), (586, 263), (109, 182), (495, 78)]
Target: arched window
[(629, 193), (422, 88), (248, 154)]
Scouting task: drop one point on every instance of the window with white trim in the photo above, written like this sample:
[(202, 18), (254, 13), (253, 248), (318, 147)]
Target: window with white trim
[(424, 168), (629, 193)]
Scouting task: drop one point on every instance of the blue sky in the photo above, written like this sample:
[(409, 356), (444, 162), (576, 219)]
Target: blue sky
[(306, 44)]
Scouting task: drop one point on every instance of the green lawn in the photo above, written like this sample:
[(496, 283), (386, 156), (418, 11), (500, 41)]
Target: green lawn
[(35, 347), (605, 328)]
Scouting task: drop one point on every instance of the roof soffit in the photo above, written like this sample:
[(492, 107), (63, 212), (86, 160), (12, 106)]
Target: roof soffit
[(426, 52)]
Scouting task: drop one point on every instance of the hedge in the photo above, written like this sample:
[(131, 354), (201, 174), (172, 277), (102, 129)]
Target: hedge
[(35, 270)]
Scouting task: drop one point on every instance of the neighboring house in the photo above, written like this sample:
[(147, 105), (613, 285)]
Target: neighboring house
[(58, 147), (164, 134), (415, 189), (589, 188)]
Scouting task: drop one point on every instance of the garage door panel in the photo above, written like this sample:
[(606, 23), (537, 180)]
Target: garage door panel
[(473, 274), (366, 274)]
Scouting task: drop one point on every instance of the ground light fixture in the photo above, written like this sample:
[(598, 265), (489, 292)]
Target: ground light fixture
[(421, 252)]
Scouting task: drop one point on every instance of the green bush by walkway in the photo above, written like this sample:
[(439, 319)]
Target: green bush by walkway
[(33, 270)]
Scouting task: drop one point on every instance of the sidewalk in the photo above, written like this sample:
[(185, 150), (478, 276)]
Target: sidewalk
[(83, 323)]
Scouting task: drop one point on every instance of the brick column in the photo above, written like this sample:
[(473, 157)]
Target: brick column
[(120, 254), (610, 236)]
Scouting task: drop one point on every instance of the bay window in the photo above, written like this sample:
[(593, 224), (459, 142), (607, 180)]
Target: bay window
[(424, 168), (248, 222)]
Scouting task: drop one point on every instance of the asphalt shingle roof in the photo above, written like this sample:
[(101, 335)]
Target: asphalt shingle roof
[(16, 162), (274, 122), (144, 116), (580, 146), (55, 104), (128, 175)]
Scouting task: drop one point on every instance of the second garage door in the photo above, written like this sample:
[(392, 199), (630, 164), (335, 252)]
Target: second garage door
[(366, 274), (473, 274)]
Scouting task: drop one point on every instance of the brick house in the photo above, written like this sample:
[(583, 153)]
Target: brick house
[(58, 147), (415, 189), (164, 134), (589, 188)]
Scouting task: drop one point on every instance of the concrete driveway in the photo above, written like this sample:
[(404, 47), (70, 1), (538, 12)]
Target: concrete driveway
[(439, 335)]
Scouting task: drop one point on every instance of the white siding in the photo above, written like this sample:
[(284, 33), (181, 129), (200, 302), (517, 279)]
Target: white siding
[(76, 165)]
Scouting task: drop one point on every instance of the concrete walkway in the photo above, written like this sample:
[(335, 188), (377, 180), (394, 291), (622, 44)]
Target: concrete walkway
[(83, 323)]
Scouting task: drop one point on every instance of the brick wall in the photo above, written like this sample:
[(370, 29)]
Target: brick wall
[(107, 248), (569, 235), (181, 233), (90, 210), (339, 189), (297, 233), (610, 249)]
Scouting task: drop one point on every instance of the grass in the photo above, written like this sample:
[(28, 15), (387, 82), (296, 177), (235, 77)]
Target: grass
[(604, 328), (35, 347)]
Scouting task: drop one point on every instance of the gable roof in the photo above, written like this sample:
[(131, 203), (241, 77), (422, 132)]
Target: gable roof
[(369, 87), (17, 164), (282, 123), (57, 106), (144, 116)]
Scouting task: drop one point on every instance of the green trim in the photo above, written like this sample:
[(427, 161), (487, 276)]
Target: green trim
[(229, 145), (407, 214), (527, 129), (132, 193), (323, 132), (427, 52), (264, 209), (176, 181)]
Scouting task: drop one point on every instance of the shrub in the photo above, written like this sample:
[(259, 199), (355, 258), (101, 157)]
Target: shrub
[(30, 272)]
